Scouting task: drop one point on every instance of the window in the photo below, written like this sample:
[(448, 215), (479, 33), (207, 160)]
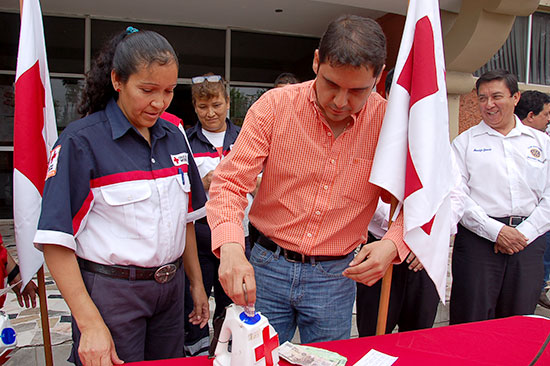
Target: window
[(241, 99), (199, 50), (257, 57), (513, 55)]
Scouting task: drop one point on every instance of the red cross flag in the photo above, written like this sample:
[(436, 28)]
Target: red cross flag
[(413, 156), (34, 134)]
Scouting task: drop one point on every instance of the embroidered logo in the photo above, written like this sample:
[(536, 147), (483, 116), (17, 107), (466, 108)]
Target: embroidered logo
[(179, 159), (52, 164), (535, 152)]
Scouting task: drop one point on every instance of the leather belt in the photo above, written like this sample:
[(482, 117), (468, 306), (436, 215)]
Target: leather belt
[(293, 256), (202, 221), (162, 274), (512, 221)]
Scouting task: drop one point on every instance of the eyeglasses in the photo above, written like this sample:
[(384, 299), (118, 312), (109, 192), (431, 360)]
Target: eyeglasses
[(210, 79)]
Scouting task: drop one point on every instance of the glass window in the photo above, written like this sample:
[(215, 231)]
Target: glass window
[(64, 44), (7, 108), (66, 96), (6, 185), (9, 29), (241, 99), (199, 50), (182, 106), (258, 57)]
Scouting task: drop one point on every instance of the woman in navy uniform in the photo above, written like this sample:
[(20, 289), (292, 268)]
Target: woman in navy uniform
[(121, 194)]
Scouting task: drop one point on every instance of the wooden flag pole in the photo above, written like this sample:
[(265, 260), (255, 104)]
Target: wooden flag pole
[(45, 321), (48, 356), (384, 303)]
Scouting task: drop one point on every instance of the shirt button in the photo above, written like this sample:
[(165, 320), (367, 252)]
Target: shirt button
[(317, 213), (332, 161), (329, 134), (325, 187), (153, 160), (309, 235)]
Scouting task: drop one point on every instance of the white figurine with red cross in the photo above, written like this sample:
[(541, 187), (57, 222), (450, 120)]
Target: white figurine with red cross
[(253, 341)]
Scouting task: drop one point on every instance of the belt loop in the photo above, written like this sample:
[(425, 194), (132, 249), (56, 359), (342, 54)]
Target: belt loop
[(277, 253), (132, 276)]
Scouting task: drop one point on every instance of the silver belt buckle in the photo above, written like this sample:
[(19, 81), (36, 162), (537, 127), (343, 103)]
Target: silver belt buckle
[(515, 221), (165, 273)]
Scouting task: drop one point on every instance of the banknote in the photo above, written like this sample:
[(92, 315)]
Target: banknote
[(309, 356)]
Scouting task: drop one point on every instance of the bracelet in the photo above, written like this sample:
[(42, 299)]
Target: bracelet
[(14, 272)]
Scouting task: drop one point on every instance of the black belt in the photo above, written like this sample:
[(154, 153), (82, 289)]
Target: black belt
[(202, 221), (160, 274), (293, 256), (512, 221)]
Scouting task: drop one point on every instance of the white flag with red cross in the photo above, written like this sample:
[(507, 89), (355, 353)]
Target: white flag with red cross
[(34, 134), (413, 156)]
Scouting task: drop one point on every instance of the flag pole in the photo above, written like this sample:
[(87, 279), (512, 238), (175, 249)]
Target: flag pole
[(44, 319), (384, 303), (48, 356)]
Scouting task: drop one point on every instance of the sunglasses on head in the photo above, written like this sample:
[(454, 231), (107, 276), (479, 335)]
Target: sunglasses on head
[(210, 79)]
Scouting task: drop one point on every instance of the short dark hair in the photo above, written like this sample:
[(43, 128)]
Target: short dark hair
[(286, 78), (387, 84), (209, 90), (124, 53), (509, 79), (531, 101), (354, 40)]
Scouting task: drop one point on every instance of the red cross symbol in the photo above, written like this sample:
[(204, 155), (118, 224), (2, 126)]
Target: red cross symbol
[(176, 160), (266, 349)]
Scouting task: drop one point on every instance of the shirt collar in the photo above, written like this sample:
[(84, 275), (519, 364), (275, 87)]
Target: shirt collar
[(519, 128), (120, 124), (231, 132)]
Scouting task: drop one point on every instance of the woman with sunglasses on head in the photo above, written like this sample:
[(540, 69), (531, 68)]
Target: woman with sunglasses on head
[(211, 140), (121, 194)]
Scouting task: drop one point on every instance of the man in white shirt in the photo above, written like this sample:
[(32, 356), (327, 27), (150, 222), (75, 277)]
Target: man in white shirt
[(497, 256), (533, 109)]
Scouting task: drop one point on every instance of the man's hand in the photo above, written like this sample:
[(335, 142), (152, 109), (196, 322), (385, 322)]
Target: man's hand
[(372, 261), (414, 263), (235, 270), (201, 312), (97, 348), (28, 295), (206, 180), (510, 241)]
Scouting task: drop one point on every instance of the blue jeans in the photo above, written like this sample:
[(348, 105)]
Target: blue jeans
[(313, 296), (546, 261)]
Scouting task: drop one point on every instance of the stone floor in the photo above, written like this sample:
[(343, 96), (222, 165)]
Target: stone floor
[(26, 322)]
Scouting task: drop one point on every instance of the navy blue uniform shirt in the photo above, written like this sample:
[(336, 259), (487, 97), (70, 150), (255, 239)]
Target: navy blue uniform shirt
[(116, 200)]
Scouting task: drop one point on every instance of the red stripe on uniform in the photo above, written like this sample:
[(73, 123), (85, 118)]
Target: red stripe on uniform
[(81, 214), (207, 155), (137, 175)]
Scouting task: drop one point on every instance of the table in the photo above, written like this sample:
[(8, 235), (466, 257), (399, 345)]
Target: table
[(508, 341)]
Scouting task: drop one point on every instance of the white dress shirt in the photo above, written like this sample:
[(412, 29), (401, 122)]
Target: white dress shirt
[(504, 176)]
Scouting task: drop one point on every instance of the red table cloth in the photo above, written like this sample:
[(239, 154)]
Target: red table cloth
[(509, 341)]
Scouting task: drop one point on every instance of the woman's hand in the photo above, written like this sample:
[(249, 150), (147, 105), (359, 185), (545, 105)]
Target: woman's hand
[(28, 295), (201, 310)]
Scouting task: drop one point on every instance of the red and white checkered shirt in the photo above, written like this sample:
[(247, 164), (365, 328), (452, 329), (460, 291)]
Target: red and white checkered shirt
[(315, 197)]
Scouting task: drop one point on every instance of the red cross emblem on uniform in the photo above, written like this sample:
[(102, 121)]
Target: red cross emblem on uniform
[(266, 349), (176, 160)]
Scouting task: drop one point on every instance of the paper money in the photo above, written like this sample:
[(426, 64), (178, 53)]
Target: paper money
[(309, 356)]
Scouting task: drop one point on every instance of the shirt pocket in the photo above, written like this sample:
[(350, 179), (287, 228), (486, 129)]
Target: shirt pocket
[(356, 184), (132, 211)]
